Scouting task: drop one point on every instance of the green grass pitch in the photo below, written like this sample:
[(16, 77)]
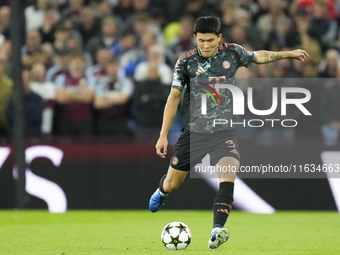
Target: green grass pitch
[(138, 232)]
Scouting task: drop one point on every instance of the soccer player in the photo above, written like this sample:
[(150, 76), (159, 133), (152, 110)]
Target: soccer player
[(210, 62)]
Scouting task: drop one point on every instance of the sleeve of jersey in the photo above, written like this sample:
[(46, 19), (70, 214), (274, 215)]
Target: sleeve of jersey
[(178, 81), (245, 56)]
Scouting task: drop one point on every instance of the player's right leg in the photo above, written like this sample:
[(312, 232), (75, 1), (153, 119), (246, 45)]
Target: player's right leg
[(168, 183), (178, 170)]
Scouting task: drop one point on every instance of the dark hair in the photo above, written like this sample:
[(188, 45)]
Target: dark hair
[(207, 24)]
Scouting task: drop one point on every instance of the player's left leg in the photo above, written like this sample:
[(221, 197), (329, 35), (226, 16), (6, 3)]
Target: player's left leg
[(177, 171), (223, 201)]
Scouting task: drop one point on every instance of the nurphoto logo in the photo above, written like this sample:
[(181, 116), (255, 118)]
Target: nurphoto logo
[(238, 104)]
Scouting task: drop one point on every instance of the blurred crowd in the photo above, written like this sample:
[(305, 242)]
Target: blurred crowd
[(105, 66)]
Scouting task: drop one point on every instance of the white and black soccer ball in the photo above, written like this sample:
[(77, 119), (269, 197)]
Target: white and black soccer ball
[(176, 236)]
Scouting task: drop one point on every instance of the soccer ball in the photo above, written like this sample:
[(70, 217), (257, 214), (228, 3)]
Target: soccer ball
[(176, 236)]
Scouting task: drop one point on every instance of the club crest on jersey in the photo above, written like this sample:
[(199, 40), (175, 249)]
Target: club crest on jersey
[(226, 64)]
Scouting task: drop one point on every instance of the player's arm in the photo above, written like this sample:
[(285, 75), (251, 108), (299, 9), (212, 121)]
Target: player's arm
[(264, 57), (168, 116)]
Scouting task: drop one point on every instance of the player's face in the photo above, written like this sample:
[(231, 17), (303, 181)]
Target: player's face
[(207, 43)]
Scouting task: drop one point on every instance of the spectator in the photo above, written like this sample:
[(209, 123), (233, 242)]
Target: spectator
[(35, 15), (330, 65), (6, 85), (123, 45), (330, 114), (74, 44), (157, 20), (97, 73), (277, 39), (174, 9), (277, 134), (48, 52), (228, 17), (310, 126), (71, 15), (240, 36), (123, 9), (33, 43), (157, 24), (243, 19), (5, 56), (143, 22), (46, 91), (140, 5), (185, 41), (33, 108), (296, 69), (280, 69), (251, 7), (61, 36), (112, 101), (89, 26), (307, 43), (322, 29), (151, 91), (243, 81), (267, 22), (307, 5), (103, 10), (195, 8), (48, 28), (130, 60), (154, 67), (61, 66), (75, 95), (107, 38), (31, 52), (5, 14), (213, 6)]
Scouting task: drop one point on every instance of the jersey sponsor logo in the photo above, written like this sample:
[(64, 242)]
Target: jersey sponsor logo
[(226, 64), (204, 97), (175, 161)]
